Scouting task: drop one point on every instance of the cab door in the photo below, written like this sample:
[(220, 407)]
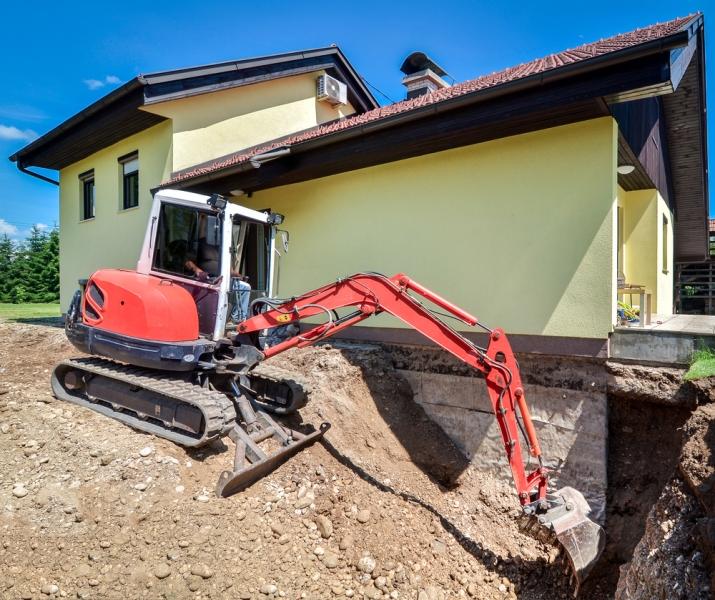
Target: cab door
[(252, 255)]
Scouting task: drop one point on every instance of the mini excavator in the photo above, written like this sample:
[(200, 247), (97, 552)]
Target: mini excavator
[(165, 358)]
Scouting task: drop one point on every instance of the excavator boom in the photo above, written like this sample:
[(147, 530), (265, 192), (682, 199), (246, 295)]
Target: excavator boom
[(370, 294), (564, 514)]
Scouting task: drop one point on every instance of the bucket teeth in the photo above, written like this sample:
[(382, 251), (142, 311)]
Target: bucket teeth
[(566, 523)]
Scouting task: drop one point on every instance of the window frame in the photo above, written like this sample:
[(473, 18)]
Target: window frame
[(86, 179), (159, 246), (664, 244), (128, 179)]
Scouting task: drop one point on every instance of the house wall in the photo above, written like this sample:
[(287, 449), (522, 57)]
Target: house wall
[(220, 123), (643, 212), (519, 231), (113, 238)]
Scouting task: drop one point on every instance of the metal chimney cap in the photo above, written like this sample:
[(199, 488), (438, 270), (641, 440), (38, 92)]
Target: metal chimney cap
[(419, 61)]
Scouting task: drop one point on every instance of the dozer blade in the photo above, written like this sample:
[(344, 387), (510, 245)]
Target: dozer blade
[(566, 522), (251, 463)]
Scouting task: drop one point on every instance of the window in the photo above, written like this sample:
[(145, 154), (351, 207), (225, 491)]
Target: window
[(130, 180), (86, 181), (188, 242), (664, 258)]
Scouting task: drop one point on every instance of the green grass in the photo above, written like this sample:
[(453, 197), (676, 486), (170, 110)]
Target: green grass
[(702, 364), (13, 312)]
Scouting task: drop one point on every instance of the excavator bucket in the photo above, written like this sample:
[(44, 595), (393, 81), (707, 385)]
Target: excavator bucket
[(581, 538), (566, 522)]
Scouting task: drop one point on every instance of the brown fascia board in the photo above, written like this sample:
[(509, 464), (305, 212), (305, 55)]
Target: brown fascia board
[(76, 119), (343, 66), (236, 65), (667, 43)]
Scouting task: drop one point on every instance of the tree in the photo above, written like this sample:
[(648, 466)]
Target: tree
[(7, 251), (29, 270)]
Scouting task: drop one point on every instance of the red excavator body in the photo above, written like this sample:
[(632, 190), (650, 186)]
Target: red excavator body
[(139, 306)]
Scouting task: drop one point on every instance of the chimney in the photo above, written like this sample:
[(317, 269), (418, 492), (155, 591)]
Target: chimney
[(422, 75)]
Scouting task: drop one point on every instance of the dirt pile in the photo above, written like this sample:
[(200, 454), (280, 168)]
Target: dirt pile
[(674, 558), (92, 509)]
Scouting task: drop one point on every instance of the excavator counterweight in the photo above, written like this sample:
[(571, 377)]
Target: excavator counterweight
[(194, 381)]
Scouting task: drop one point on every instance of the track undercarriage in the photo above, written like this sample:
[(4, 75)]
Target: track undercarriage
[(190, 410)]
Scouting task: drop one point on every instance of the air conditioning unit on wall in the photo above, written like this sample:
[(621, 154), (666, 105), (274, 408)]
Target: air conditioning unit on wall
[(331, 90)]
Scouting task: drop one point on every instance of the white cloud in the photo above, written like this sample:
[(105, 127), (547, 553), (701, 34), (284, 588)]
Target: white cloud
[(20, 112), (9, 132), (8, 228), (95, 84), (42, 226)]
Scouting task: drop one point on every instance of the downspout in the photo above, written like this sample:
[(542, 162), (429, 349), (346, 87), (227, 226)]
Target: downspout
[(38, 175)]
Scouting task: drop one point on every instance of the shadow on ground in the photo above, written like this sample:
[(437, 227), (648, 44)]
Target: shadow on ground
[(43, 321)]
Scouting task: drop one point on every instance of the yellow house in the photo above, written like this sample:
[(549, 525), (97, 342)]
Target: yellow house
[(531, 197)]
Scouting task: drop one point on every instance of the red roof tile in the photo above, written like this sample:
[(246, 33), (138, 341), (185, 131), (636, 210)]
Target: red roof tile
[(540, 65), (712, 224)]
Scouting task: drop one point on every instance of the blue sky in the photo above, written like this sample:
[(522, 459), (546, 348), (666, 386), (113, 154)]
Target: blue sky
[(58, 57)]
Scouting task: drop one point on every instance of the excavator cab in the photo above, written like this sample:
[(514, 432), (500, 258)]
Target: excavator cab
[(204, 244)]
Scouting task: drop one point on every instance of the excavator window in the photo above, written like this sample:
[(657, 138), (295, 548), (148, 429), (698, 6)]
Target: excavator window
[(188, 242)]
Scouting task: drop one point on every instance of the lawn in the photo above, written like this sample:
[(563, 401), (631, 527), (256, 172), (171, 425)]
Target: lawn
[(29, 311), (702, 365)]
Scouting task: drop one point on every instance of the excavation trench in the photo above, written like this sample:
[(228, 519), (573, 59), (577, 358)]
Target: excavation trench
[(617, 432)]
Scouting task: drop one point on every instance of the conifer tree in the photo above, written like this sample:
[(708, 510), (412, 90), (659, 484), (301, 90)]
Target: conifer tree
[(29, 270), (7, 250)]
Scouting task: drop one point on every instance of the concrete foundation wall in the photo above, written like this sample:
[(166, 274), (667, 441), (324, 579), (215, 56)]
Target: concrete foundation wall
[(572, 426)]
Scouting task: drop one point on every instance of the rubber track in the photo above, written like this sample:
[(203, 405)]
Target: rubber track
[(299, 387), (218, 410)]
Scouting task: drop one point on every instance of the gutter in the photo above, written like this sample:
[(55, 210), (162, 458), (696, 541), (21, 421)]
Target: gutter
[(675, 40)]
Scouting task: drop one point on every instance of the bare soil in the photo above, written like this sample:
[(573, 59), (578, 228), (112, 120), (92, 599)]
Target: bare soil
[(675, 558), (386, 508), (644, 439)]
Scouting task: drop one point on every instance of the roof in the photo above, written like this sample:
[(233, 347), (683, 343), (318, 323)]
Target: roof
[(118, 114), (711, 223), (535, 71)]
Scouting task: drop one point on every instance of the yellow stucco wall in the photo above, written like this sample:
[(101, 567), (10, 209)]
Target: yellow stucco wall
[(211, 125), (519, 231), (643, 212), (114, 237)]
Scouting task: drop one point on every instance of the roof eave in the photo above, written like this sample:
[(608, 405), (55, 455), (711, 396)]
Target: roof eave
[(144, 81), (93, 108), (666, 43)]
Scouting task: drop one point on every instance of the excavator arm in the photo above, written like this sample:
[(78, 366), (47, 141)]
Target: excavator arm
[(371, 294), (562, 515)]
